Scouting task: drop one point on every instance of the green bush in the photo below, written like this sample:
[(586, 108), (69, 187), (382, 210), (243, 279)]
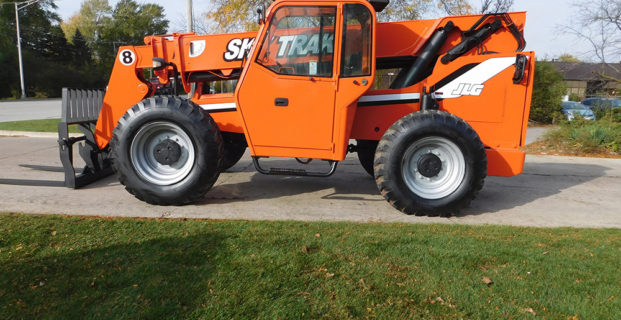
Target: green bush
[(575, 97), (582, 136), (608, 113), (548, 91)]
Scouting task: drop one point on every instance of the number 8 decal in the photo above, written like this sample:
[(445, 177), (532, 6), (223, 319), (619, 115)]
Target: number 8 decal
[(127, 57)]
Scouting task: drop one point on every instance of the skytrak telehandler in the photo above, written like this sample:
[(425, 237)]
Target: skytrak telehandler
[(434, 105)]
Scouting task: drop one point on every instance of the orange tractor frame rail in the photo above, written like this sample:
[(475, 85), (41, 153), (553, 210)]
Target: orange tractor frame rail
[(434, 105)]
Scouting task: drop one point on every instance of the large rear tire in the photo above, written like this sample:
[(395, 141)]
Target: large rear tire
[(430, 163), (167, 151)]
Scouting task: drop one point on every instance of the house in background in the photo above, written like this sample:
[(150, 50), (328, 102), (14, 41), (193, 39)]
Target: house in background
[(585, 79)]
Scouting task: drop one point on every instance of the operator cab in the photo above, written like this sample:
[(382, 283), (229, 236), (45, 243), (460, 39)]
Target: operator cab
[(298, 93)]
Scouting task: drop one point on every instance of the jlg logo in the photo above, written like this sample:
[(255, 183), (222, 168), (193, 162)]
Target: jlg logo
[(468, 89), (238, 49)]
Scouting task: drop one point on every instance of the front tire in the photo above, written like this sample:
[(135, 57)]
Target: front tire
[(167, 151), (430, 163)]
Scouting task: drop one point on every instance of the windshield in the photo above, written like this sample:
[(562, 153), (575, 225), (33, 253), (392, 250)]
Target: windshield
[(300, 41)]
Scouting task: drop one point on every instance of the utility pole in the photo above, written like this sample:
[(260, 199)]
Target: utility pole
[(19, 52), (20, 6), (190, 26)]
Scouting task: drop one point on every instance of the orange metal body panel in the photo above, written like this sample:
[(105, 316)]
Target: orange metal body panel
[(229, 121), (127, 85), (499, 113), (324, 112), (125, 89)]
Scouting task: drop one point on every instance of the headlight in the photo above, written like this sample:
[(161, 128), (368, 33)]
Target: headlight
[(159, 63)]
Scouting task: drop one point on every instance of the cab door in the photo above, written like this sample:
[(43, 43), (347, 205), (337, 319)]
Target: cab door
[(288, 91), (286, 95)]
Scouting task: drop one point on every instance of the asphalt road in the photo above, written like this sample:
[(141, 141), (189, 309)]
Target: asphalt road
[(552, 192), (29, 110)]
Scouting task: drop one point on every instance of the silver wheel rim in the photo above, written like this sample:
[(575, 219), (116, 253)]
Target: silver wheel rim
[(143, 160), (447, 180)]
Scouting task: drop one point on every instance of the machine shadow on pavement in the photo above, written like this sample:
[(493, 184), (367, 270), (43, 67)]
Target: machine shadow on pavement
[(51, 183), (32, 183), (351, 183), (36, 182), (345, 185), (538, 181)]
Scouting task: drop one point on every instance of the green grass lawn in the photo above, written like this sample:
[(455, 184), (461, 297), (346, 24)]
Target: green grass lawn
[(73, 268), (45, 125)]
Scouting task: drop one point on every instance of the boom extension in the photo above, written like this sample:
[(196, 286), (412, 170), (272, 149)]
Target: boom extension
[(426, 60)]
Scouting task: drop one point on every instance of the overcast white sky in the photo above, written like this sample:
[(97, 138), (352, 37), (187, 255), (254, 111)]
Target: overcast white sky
[(542, 26)]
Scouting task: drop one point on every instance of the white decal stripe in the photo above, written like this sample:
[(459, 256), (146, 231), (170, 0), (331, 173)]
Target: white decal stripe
[(477, 75), (219, 106), (389, 97)]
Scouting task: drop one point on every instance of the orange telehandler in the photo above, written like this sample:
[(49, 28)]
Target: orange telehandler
[(434, 105)]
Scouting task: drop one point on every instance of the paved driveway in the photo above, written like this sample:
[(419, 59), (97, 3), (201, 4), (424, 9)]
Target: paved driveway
[(553, 191)]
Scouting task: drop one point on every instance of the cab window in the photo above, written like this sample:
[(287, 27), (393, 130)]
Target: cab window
[(300, 41), (357, 41)]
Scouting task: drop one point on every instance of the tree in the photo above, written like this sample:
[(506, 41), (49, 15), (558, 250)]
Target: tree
[(236, 15), (89, 19), (105, 29), (493, 6), (405, 10), (548, 91), (414, 9), (455, 7), (131, 22), (458, 7), (8, 52), (42, 46), (51, 44), (82, 54), (128, 24), (566, 57), (240, 15), (51, 62), (599, 23)]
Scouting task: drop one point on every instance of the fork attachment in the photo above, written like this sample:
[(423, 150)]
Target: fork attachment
[(81, 108)]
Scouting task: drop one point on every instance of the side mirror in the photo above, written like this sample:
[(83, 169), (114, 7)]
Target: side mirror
[(261, 16)]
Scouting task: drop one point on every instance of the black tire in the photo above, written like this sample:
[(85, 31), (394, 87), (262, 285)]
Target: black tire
[(366, 154), (234, 148), (430, 163), (172, 120)]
